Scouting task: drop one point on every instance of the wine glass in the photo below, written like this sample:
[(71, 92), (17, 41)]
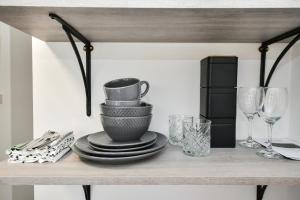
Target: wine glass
[(272, 106), (248, 98)]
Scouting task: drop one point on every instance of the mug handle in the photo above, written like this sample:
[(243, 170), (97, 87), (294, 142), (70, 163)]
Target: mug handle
[(147, 88)]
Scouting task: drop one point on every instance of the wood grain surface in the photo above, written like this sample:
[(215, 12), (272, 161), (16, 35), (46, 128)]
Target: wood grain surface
[(156, 3), (171, 167), (217, 25)]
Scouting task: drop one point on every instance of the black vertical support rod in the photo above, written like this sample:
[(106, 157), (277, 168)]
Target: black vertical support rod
[(88, 48), (263, 50), (86, 74), (260, 191), (87, 192)]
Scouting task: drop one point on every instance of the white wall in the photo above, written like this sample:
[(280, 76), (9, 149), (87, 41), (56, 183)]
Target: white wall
[(21, 87), (5, 89), (173, 71), (166, 192), (5, 111), (59, 97), (16, 120), (295, 82)]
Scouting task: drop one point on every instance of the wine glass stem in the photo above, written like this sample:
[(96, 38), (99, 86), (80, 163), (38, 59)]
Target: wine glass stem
[(250, 126), (270, 130)]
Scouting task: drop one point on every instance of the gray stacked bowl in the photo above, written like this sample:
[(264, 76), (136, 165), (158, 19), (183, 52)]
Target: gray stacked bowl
[(124, 117)]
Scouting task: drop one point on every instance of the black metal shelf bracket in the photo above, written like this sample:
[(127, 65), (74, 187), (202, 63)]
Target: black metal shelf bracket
[(88, 48), (264, 49), (260, 191), (87, 192)]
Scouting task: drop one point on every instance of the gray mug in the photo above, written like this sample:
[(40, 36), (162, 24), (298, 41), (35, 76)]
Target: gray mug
[(125, 89)]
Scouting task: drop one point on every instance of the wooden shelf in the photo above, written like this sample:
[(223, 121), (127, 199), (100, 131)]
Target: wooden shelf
[(174, 21), (156, 3), (223, 167)]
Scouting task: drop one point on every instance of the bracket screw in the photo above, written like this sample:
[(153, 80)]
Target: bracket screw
[(263, 48), (90, 46)]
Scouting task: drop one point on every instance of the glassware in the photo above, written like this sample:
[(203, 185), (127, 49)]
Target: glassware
[(273, 105), (176, 128), (196, 141), (248, 98)]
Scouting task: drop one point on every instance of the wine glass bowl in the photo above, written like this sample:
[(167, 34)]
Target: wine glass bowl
[(273, 103), (249, 103)]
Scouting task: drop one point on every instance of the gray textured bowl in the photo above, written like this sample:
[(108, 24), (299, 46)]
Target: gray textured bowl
[(136, 102), (123, 129), (137, 111)]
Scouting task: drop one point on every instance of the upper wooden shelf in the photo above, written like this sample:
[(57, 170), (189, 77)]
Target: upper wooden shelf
[(155, 21), (156, 3), (223, 167)]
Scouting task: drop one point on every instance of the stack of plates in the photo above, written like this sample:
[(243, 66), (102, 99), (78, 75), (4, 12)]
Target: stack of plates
[(99, 147)]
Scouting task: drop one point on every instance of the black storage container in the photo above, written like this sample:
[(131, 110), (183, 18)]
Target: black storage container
[(223, 133), (218, 103), (218, 98), (219, 72)]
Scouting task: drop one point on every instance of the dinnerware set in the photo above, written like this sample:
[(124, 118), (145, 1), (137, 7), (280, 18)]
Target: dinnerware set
[(125, 120)]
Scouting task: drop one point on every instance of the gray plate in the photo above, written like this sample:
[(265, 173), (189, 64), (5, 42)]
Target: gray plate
[(122, 150), (83, 145), (101, 139), (114, 160)]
